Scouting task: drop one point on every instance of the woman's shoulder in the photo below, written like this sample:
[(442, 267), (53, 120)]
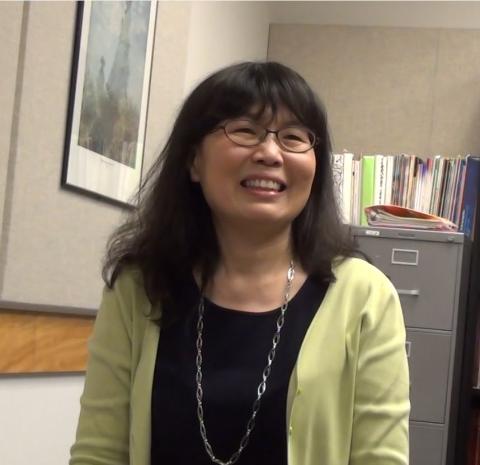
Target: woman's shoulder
[(342, 265), (362, 290), (128, 277), (357, 274), (128, 289)]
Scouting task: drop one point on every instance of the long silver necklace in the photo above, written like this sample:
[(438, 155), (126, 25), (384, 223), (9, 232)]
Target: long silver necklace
[(261, 387)]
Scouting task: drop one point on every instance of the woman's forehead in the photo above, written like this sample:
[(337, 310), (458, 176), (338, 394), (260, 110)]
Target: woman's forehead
[(266, 114)]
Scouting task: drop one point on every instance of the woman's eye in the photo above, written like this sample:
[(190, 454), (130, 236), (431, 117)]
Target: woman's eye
[(295, 136), (244, 130)]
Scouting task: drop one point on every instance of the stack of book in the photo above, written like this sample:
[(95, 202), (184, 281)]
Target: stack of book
[(439, 186)]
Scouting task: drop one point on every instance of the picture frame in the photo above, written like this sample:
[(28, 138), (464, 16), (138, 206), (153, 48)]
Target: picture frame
[(108, 104)]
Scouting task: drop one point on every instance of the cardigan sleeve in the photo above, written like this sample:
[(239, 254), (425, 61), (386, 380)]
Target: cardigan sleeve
[(103, 429), (381, 404)]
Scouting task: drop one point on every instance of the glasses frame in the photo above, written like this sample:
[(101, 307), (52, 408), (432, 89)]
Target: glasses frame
[(266, 132)]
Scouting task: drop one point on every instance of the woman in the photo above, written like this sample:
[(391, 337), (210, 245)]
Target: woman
[(236, 326)]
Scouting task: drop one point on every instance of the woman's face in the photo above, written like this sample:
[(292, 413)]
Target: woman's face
[(260, 184)]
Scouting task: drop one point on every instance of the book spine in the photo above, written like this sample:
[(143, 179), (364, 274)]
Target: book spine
[(458, 212), (357, 170), (337, 173), (347, 187), (367, 186), (470, 198), (390, 160), (379, 191), (435, 167)]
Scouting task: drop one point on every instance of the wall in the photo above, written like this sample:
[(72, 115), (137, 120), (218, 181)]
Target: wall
[(390, 90), (10, 34), (434, 14), (52, 240), (222, 33), (38, 418)]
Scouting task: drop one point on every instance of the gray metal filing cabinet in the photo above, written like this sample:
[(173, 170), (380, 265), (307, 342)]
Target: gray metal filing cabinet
[(429, 272)]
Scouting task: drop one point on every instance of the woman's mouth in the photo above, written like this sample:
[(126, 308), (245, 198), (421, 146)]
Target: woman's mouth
[(264, 184)]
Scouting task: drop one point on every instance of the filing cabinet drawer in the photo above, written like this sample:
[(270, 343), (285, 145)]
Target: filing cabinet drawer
[(424, 274), (428, 360), (426, 444)]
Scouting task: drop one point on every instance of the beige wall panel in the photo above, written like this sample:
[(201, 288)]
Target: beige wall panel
[(10, 26), (431, 14), (57, 237), (456, 117), (376, 82)]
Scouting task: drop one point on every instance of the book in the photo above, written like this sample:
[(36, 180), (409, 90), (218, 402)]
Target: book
[(435, 185), (390, 161), (367, 185), (460, 193), (470, 197), (435, 182), (337, 173), (380, 180), (355, 204), (347, 187), (402, 217)]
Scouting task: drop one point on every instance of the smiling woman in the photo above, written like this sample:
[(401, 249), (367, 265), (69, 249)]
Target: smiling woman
[(248, 174), (234, 304)]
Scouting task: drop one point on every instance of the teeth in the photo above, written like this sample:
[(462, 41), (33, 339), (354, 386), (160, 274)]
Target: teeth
[(263, 183)]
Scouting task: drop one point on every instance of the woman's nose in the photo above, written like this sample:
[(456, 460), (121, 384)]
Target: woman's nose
[(269, 152)]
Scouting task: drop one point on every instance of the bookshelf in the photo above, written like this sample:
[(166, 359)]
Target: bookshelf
[(439, 186)]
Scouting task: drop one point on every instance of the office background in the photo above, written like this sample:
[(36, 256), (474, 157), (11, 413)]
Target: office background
[(425, 57)]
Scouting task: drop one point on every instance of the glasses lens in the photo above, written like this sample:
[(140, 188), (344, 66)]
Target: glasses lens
[(296, 138), (243, 132)]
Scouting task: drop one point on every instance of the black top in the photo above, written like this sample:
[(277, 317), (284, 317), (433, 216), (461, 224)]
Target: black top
[(235, 348)]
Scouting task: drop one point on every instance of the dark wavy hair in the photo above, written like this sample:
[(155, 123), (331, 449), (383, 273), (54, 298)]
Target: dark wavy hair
[(171, 232)]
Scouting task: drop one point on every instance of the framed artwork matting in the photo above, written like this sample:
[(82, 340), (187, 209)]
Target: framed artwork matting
[(108, 104)]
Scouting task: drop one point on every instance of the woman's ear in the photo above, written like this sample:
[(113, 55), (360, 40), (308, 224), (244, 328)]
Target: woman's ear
[(194, 174)]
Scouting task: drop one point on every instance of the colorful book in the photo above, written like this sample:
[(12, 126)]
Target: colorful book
[(347, 187), (470, 196), (461, 189), (367, 186)]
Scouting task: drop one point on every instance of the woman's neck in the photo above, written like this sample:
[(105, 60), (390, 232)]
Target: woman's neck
[(252, 270)]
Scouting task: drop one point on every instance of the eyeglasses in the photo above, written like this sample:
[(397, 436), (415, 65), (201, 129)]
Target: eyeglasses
[(247, 133)]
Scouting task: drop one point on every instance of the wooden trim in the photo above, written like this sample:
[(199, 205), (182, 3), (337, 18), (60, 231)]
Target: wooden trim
[(34, 342)]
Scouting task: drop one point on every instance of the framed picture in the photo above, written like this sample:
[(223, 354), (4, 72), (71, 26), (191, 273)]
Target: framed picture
[(107, 113)]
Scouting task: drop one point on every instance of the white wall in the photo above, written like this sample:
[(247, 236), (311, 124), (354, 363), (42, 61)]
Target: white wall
[(38, 418), (222, 33)]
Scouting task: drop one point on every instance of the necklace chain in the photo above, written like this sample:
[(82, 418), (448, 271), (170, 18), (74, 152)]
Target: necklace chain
[(261, 387)]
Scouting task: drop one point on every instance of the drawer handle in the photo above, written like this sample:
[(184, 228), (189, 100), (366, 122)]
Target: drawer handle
[(414, 292), (408, 347)]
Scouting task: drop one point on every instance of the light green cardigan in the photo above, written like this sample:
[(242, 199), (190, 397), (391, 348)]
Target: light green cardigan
[(348, 398)]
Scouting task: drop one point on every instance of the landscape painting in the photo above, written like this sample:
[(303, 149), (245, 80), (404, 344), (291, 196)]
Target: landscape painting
[(105, 137)]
